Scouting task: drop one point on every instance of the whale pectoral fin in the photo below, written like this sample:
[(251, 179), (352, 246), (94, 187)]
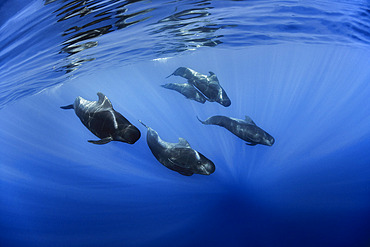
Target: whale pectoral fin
[(175, 163), (102, 141), (180, 169), (67, 107), (248, 120), (251, 144), (186, 173), (172, 161)]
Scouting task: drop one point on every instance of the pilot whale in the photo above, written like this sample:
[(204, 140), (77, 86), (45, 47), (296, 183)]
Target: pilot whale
[(187, 90), (103, 121), (207, 85), (245, 129), (179, 157)]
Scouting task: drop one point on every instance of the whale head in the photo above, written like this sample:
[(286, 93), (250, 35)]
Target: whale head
[(222, 98), (267, 140), (225, 101), (203, 165)]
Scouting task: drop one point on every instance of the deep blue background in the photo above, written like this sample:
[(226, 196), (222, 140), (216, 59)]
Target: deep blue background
[(311, 188)]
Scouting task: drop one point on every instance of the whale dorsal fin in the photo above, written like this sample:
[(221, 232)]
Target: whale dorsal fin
[(104, 101), (248, 120), (183, 143), (212, 76)]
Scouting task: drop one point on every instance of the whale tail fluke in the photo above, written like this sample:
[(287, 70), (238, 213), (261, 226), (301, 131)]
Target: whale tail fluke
[(146, 126), (203, 122), (67, 107)]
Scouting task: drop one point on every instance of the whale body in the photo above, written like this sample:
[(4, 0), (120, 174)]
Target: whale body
[(209, 86), (103, 121), (179, 157), (187, 90), (245, 129)]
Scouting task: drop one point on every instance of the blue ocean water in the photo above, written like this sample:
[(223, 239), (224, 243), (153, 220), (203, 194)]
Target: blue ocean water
[(300, 70)]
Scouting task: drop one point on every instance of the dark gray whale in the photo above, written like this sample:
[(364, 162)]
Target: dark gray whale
[(207, 85), (187, 90), (103, 121), (246, 129), (179, 157)]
